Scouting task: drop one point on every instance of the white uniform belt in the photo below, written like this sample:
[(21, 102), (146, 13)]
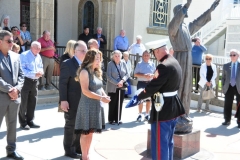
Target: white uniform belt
[(169, 94)]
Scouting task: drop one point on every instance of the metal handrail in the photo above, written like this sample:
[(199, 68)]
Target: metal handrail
[(134, 60), (231, 11)]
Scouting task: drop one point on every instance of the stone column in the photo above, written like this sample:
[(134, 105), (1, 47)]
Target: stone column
[(41, 17), (108, 21)]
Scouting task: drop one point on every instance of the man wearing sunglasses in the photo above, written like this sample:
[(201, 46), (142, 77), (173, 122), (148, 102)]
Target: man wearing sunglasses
[(26, 36), (11, 83), (231, 86)]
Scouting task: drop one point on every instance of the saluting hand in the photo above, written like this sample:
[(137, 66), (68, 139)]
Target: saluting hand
[(214, 5), (188, 3)]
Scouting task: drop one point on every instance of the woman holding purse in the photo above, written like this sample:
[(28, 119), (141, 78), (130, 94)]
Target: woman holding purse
[(117, 75), (208, 74)]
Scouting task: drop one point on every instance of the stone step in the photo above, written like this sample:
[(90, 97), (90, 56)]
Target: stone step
[(48, 98)]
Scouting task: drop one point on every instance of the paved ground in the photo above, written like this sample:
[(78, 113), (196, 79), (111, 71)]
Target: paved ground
[(121, 142)]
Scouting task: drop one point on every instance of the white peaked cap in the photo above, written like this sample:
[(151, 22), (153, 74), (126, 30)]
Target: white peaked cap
[(156, 44)]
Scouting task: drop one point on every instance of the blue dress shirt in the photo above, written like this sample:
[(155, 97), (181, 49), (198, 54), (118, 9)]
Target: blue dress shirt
[(79, 62), (236, 65), (120, 43), (144, 68), (26, 35), (31, 64)]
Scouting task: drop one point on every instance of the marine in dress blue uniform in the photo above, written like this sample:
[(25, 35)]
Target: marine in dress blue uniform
[(167, 78)]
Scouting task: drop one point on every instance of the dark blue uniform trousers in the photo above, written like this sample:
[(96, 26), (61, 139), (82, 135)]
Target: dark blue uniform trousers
[(165, 139)]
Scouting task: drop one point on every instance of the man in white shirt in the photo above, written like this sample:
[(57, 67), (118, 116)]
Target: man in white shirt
[(138, 47)]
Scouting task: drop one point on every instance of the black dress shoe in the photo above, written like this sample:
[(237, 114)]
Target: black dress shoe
[(15, 155), (25, 127), (73, 155), (112, 123), (32, 125), (226, 123), (78, 151)]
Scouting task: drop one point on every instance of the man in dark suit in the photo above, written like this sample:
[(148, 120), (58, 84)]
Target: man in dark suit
[(70, 92), (231, 86), (85, 36), (166, 81), (100, 38), (11, 82)]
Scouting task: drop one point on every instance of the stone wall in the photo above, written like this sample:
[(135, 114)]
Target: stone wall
[(41, 17), (11, 8)]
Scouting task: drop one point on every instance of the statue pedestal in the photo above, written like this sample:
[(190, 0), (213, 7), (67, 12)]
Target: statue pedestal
[(185, 145)]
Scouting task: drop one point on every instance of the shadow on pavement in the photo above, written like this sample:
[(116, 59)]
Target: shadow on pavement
[(61, 158), (32, 138), (124, 125), (3, 134), (44, 107), (222, 131), (5, 158)]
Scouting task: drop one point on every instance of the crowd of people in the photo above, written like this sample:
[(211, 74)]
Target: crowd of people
[(81, 92)]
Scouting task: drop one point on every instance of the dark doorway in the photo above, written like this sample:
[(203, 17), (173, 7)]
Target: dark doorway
[(88, 16), (25, 12)]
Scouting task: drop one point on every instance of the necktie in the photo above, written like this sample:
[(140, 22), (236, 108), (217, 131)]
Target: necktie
[(233, 77)]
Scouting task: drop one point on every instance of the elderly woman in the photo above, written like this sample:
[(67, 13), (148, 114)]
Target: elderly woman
[(117, 74), (129, 67), (208, 74), (69, 51), (5, 23)]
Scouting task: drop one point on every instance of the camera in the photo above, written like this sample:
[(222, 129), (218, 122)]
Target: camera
[(194, 40)]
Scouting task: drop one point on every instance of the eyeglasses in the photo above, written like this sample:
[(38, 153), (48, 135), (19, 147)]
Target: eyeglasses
[(83, 51), (24, 26), (233, 55), (15, 29), (9, 41), (208, 59)]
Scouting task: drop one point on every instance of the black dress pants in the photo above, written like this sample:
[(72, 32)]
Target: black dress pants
[(196, 76), (113, 105), (28, 101), (229, 96), (71, 141)]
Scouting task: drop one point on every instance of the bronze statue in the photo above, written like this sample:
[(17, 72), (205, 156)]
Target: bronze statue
[(179, 35)]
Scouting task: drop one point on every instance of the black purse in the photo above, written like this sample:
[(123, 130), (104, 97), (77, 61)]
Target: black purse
[(125, 84)]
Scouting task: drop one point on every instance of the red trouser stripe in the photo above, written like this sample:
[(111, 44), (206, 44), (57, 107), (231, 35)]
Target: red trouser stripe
[(159, 140)]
